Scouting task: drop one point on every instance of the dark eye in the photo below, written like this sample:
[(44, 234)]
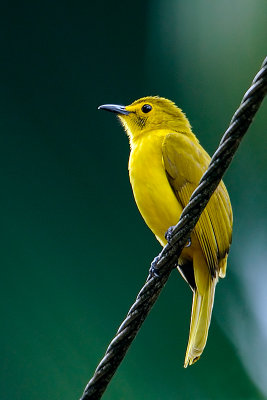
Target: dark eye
[(146, 108)]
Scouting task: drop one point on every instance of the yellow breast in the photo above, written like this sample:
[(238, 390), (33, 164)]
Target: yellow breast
[(152, 192)]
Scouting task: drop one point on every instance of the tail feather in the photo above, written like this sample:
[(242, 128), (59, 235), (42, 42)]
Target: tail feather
[(200, 319)]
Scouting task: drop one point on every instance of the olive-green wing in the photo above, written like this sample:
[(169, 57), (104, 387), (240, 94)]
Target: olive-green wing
[(185, 161)]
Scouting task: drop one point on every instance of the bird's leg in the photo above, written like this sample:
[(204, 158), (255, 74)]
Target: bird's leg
[(153, 270)]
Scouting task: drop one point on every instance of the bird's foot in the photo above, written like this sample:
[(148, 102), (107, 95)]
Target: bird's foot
[(189, 242), (153, 270), (168, 234)]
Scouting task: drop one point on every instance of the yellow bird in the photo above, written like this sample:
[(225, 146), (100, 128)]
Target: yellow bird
[(165, 165)]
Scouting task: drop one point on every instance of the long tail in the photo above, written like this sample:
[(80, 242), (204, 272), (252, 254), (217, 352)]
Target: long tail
[(203, 298)]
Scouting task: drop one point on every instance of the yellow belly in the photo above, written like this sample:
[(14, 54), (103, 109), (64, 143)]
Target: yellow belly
[(152, 192)]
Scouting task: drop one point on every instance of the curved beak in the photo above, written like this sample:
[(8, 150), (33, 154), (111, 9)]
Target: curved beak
[(114, 108)]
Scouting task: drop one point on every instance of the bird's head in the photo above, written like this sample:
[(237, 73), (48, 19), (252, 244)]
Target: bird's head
[(150, 113)]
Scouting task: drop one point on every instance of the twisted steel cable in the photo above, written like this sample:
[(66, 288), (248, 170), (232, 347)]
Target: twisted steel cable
[(166, 261)]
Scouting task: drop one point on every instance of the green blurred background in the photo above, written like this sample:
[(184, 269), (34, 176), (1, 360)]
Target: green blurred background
[(74, 249)]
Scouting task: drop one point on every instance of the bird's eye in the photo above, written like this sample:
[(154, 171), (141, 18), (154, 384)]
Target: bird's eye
[(146, 108)]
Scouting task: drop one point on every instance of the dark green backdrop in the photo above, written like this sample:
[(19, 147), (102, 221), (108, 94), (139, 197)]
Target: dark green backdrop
[(74, 250)]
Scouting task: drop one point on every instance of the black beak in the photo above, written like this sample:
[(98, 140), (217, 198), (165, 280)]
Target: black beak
[(114, 108)]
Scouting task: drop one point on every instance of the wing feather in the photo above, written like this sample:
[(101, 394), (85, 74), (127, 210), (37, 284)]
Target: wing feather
[(185, 161)]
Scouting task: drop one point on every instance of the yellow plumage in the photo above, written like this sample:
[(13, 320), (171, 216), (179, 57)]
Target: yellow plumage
[(165, 166)]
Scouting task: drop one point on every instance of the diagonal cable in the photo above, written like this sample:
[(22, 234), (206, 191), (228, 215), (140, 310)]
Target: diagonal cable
[(166, 261)]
